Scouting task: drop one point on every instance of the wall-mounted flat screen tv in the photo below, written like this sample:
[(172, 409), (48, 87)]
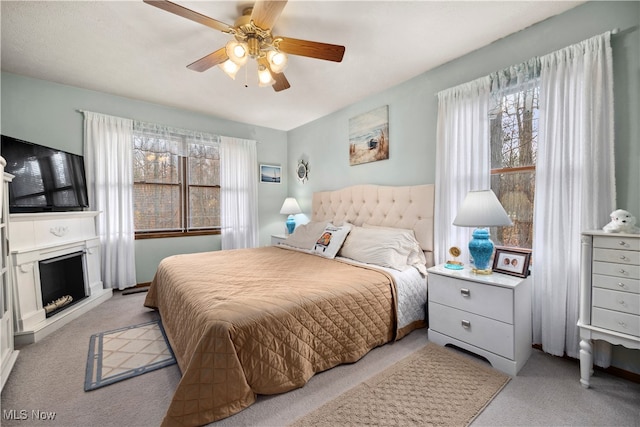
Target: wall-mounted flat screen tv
[(46, 179)]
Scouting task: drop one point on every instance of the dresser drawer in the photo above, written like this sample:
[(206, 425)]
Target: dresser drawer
[(616, 283), (616, 270), (615, 300), (616, 242), (480, 298), (480, 331), (616, 321), (616, 256)]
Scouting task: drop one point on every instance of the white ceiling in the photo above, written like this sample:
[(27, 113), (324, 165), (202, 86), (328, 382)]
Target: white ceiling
[(131, 49)]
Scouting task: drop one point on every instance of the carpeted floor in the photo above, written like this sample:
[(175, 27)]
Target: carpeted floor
[(434, 383), (49, 377)]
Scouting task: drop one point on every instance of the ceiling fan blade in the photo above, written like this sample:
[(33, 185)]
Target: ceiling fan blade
[(281, 82), (328, 52), (211, 60), (190, 14), (266, 12)]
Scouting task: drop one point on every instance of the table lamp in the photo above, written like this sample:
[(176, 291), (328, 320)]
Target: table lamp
[(290, 207), (481, 209)]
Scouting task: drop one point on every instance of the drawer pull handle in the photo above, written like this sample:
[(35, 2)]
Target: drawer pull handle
[(621, 323), (621, 302), (623, 258), (621, 285), (622, 243), (465, 292), (466, 324), (621, 271)]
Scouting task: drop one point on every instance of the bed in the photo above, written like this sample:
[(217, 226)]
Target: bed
[(265, 320)]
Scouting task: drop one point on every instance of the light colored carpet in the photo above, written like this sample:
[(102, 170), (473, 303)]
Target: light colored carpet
[(127, 352), (434, 385), (49, 376)]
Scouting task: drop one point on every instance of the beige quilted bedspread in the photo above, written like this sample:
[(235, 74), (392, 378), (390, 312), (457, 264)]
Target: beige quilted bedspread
[(263, 321)]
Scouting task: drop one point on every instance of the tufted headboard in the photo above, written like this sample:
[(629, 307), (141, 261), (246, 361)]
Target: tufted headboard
[(409, 207)]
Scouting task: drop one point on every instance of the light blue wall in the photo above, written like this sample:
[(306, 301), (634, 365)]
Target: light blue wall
[(413, 113), (413, 107), (46, 113)]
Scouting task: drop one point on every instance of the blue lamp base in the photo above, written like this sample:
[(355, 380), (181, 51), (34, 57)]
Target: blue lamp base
[(481, 249), (291, 224)]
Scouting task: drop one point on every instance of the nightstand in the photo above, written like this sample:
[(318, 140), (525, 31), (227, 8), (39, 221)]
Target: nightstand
[(278, 238), (489, 315)]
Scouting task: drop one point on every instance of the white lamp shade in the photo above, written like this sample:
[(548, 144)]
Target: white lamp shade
[(290, 207), (277, 61), (230, 67), (481, 209), (237, 52)]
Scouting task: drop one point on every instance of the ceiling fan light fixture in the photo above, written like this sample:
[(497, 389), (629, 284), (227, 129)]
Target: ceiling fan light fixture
[(277, 61), (238, 52), (230, 68), (264, 77)]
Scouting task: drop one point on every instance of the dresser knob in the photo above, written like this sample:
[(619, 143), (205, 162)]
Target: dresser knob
[(466, 324), (620, 284), (623, 258), (622, 243), (621, 302), (621, 323), (621, 271), (465, 292)]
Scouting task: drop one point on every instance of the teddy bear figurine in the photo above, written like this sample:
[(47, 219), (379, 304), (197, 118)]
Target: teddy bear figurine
[(622, 222)]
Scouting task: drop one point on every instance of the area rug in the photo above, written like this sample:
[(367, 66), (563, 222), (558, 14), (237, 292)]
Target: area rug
[(434, 386), (125, 353)]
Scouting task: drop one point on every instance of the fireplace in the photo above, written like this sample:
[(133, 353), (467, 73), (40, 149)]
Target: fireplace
[(55, 263), (62, 282)]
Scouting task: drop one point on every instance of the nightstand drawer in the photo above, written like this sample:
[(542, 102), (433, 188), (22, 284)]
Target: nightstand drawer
[(616, 283), (616, 256), (625, 302), (617, 270), (488, 334), (616, 321), (480, 298)]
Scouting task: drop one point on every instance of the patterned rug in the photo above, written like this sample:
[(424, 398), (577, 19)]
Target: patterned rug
[(434, 386), (125, 353)]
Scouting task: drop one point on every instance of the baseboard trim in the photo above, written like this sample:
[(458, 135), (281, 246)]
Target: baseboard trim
[(613, 370)]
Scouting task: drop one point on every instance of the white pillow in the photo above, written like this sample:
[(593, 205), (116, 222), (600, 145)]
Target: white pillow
[(331, 240), (306, 235), (387, 247)]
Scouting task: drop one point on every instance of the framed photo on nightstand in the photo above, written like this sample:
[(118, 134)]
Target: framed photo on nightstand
[(514, 262)]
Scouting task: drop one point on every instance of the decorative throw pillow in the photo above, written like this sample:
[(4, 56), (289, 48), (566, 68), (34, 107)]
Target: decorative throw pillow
[(305, 235), (331, 240), (386, 247)]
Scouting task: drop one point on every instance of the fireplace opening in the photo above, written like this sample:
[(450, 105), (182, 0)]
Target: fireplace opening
[(62, 282)]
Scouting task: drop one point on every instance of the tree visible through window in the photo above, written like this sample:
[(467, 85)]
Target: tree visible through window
[(173, 193), (514, 146)]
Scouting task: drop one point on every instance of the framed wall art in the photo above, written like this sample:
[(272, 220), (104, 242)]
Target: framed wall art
[(369, 136), (270, 174), (512, 261)]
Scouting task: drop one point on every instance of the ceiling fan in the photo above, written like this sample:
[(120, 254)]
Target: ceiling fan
[(253, 39)]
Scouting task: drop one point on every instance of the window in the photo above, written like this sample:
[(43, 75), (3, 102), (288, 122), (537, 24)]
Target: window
[(176, 186), (514, 146)]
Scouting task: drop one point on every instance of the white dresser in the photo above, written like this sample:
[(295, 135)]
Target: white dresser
[(609, 294), (489, 315), (8, 354)]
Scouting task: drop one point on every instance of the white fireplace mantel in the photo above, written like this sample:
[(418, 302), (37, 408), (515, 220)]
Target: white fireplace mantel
[(40, 236)]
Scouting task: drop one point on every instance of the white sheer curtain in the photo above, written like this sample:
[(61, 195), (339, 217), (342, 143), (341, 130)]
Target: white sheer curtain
[(462, 159), (108, 157), (575, 183), (239, 193)]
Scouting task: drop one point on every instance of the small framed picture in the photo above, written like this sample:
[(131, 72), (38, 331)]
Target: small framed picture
[(271, 174), (512, 261)]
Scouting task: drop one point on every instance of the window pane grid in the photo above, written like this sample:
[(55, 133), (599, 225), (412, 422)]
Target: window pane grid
[(514, 146)]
